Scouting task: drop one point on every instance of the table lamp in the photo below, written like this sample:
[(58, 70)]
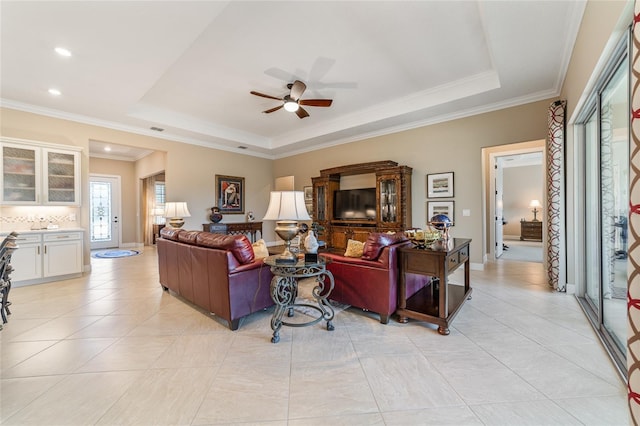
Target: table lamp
[(157, 212), (535, 204), (176, 212), (287, 208)]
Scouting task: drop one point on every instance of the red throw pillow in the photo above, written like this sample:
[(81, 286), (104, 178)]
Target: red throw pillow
[(377, 241)]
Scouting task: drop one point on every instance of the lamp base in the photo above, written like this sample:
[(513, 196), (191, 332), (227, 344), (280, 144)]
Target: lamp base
[(176, 222)]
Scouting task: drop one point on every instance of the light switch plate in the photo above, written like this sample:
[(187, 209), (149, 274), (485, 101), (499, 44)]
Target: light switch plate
[(466, 212)]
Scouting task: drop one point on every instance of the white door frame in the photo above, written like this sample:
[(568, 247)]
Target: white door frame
[(491, 234), (116, 203)]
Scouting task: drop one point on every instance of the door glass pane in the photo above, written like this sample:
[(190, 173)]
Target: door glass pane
[(100, 206), (614, 176), (592, 206)]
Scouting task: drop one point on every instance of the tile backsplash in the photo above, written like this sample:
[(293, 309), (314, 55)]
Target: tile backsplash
[(38, 217)]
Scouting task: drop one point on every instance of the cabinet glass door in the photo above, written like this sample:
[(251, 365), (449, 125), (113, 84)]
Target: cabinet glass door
[(321, 203), (61, 177), (19, 175), (388, 200)]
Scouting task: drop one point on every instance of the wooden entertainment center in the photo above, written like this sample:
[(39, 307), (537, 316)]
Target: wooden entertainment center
[(393, 202)]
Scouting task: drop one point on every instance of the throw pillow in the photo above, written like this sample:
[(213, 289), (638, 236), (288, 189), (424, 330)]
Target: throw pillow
[(260, 249), (354, 248)]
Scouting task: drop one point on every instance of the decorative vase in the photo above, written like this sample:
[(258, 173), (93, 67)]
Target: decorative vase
[(311, 243), (215, 216)]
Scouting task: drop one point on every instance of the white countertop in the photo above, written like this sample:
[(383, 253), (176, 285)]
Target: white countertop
[(42, 231)]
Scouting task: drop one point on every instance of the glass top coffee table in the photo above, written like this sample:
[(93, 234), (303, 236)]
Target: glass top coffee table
[(284, 291)]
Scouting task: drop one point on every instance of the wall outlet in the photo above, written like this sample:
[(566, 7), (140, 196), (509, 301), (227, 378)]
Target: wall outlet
[(466, 212), (72, 217)]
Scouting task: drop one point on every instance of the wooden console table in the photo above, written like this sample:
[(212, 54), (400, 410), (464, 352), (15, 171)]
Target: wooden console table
[(531, 230), (247, 228), (439, 302)]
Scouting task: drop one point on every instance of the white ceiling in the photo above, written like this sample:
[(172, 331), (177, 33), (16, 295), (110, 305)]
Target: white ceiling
[(188, 67)]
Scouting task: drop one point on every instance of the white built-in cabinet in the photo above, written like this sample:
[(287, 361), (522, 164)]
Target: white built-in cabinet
[(33, 173), (44, 255)]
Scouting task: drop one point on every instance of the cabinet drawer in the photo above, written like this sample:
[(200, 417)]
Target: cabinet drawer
[(58, 236), (28, 238)]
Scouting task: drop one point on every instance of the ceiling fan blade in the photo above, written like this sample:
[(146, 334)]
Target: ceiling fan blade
[(316, 102), (265, 96), (272, 109), (297, 89), (302, 113)]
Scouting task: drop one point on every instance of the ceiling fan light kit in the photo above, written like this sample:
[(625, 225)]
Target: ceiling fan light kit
[(292, 101)]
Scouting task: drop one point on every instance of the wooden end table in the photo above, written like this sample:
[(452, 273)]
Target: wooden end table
[(439, 302)]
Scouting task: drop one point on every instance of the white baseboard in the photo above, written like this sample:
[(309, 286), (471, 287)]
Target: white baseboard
[(476, 266)]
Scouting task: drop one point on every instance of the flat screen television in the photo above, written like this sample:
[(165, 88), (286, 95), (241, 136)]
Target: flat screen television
[(355, 204)]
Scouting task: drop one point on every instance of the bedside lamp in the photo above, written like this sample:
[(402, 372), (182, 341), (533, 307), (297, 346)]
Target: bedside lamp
[(534, 204), (176, 212), (287, 208)]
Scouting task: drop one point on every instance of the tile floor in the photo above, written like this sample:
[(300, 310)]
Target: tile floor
[(113, 348)]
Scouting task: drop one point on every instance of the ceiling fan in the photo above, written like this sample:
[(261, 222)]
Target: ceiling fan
[(292, 101)]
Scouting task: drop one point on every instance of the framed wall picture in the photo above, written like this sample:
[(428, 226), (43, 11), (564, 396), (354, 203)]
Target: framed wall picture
[(308, 194), (440, 207), (230, 194), (440, 185)]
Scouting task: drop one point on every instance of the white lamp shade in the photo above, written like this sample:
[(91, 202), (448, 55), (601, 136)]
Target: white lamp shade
[(176, 209), (287, 205), (535, 203)]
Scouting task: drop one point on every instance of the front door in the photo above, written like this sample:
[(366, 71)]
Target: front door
[(104, 194)]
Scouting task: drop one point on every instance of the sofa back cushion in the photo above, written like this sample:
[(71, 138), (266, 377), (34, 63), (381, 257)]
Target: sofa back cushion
[(378, 241), (188, 237), (239, 245), (170, 233)]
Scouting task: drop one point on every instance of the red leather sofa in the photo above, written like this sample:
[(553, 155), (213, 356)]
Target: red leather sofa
[(216, 272), (371, 282)]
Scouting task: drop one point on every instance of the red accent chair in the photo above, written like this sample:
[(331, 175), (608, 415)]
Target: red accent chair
[(371, 282)]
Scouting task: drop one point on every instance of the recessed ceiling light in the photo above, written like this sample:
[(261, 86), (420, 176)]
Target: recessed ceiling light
[(54, 92), (107, 148), (62, 51)]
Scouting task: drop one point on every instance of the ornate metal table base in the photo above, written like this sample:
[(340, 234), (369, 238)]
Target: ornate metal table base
[(284, 290)]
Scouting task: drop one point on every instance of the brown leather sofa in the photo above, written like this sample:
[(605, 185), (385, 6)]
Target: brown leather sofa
[(371, 281), (216, 272)]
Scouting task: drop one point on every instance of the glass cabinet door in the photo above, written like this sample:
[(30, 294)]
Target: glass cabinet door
[(320, 200), (61, 177), (20, 174), (388, 195)]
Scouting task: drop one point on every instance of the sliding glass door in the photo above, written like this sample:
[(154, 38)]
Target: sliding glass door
[(606, 204)]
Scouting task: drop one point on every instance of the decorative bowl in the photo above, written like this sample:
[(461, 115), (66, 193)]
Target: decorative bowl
[(422, 239)]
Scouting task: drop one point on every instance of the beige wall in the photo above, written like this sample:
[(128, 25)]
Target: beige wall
[(603, 23), (454, 146), (190, 170), (520, 186), (128, 194)]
